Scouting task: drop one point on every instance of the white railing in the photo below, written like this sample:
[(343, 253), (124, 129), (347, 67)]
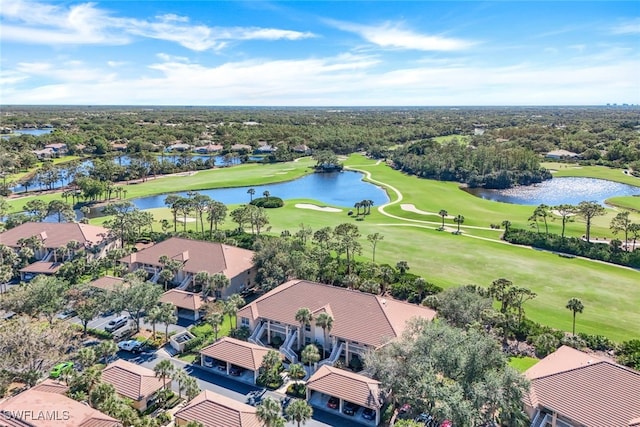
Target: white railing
[(48, 257), (285, 348), (257, 333), (293, 358), (334, 356), (155, 277), (185, 283), (541, 419)]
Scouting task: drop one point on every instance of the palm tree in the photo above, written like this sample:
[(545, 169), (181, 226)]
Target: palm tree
[(299, 411), (269, 412), (325, 321), (266, 194), (191, 388), (168, 317), (374, 239), (215, 320), (576, 306), (238, 302), (310, 355), (296, 371), (203, 279), (106, 350), (443, 214), (369, 204), (180, 376), (87, 357), (357, 205), (304, 317), (154, 316), (459, 219), (164, 370), (251, 193), (218, 282)]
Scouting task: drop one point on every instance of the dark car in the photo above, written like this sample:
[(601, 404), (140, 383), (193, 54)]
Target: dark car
[(369, 414), (236, 371), (333, 403), (349, 408), (222, 366)]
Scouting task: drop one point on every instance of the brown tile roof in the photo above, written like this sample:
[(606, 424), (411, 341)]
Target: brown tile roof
[(357, 316), (215, 410), (130, 380), (563, 359), (54, 234), (197, 256), (184, 299), (42, 267), (108, 283), (40, 408), (594, 395), (239, 353), (51, 386), (346, 385)]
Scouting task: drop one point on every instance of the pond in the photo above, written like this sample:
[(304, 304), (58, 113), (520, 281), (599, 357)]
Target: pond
[(34, 132), (557, 191), (337, 189)]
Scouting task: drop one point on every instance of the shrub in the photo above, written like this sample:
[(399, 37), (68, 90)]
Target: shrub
[(355, 363), (270, 203), (276, 341), (545, 344), (193, 343), (297, 390), (243, 333), (597, 342)]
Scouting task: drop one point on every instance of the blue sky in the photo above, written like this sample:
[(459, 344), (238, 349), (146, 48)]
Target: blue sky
[(303, 53)]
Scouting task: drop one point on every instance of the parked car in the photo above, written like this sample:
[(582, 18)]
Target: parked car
[(254, 397), (131, 345), (117, 323), (349, 408), (236, 371), (333, 402), (207, 362), (66, 314), (369, 414), (60, 369), (222, 366)]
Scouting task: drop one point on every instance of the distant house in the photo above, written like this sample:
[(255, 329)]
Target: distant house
[(361, 321), (302, 148), (265, 148), (189, 305), (45, 153), (46, 405), (570, 388), (52, 243), (179, 146), (215, 410), (58, 148), (208, 149), (241, 147), (196, 256), (134, 382), (562, 154)]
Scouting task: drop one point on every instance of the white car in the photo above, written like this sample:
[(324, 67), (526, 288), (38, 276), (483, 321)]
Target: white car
[(130, 345)]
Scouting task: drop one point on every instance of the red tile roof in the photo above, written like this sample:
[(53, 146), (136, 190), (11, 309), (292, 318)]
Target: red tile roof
[(215, 410), (184, 299), (197, 256), (54, 234), (130, 380), (239, 353), (352, 387), (108, 283), (595, 395), (563, 359), (42, 267), (357, 316), (38, 408), (51, 386)]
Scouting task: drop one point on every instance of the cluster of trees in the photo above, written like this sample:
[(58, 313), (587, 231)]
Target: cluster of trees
[(624, 252), (495, 165)]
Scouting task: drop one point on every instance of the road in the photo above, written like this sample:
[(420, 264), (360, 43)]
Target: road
[(102, 320), (229, 387)]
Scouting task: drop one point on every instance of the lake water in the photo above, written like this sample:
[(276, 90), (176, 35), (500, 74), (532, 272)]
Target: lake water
[(337, 189), (34, 132), (557, 191)]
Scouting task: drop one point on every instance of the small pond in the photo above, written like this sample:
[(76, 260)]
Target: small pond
[(34, 132), (557, 191), (337, 189)]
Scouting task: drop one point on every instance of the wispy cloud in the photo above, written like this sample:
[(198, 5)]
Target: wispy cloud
[(392, 35), (628, 27), (41, 23)]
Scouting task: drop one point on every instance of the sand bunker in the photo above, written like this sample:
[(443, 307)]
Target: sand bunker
[(412, 208), (317, 208), (185, 219)]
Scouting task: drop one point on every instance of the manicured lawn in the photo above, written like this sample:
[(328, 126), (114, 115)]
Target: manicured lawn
[(188, 357), (602, 172), (523, 363), (626, 202)]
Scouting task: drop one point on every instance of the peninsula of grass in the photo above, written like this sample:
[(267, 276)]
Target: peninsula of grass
[(600, 172)]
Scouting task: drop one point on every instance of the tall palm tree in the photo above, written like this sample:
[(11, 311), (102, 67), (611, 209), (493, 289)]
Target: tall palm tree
[(180, 376), (325, 321), (215, 320), (296, 371), (251, 192), (154, 316), (266, 194), (168, 317), (304, 317), (357, 205), (203, 279), (164, 370), (443, 214), (576, 306), (106, 350), (310, 355), (459, 219), (238, 302), (268, 411), (299, 411), (191, 388), (218, 282)]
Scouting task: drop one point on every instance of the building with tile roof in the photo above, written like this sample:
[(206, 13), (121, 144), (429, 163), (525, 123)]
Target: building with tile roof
[(188, 305), (347, 387), (46, 405), (215, 410), (361, 320), (133, 382), (196, 256), (570, 388), (235, 352)]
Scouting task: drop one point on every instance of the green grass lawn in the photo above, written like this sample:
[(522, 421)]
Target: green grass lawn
[(523, 363), (610, 293)]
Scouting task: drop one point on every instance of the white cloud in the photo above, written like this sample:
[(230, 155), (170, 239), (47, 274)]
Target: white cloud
[(42, 23), (631, 26), (394, 36)]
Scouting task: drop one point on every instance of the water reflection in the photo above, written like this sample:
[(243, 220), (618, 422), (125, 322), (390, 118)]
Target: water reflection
[(556, 191)]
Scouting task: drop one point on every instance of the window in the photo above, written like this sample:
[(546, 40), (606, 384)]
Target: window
[(307, 328), (244, 322)]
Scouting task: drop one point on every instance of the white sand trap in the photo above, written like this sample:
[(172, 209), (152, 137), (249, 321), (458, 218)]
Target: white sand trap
[(281, 173), (412, 208), (186, 219), (317, 208), (557, 213)]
